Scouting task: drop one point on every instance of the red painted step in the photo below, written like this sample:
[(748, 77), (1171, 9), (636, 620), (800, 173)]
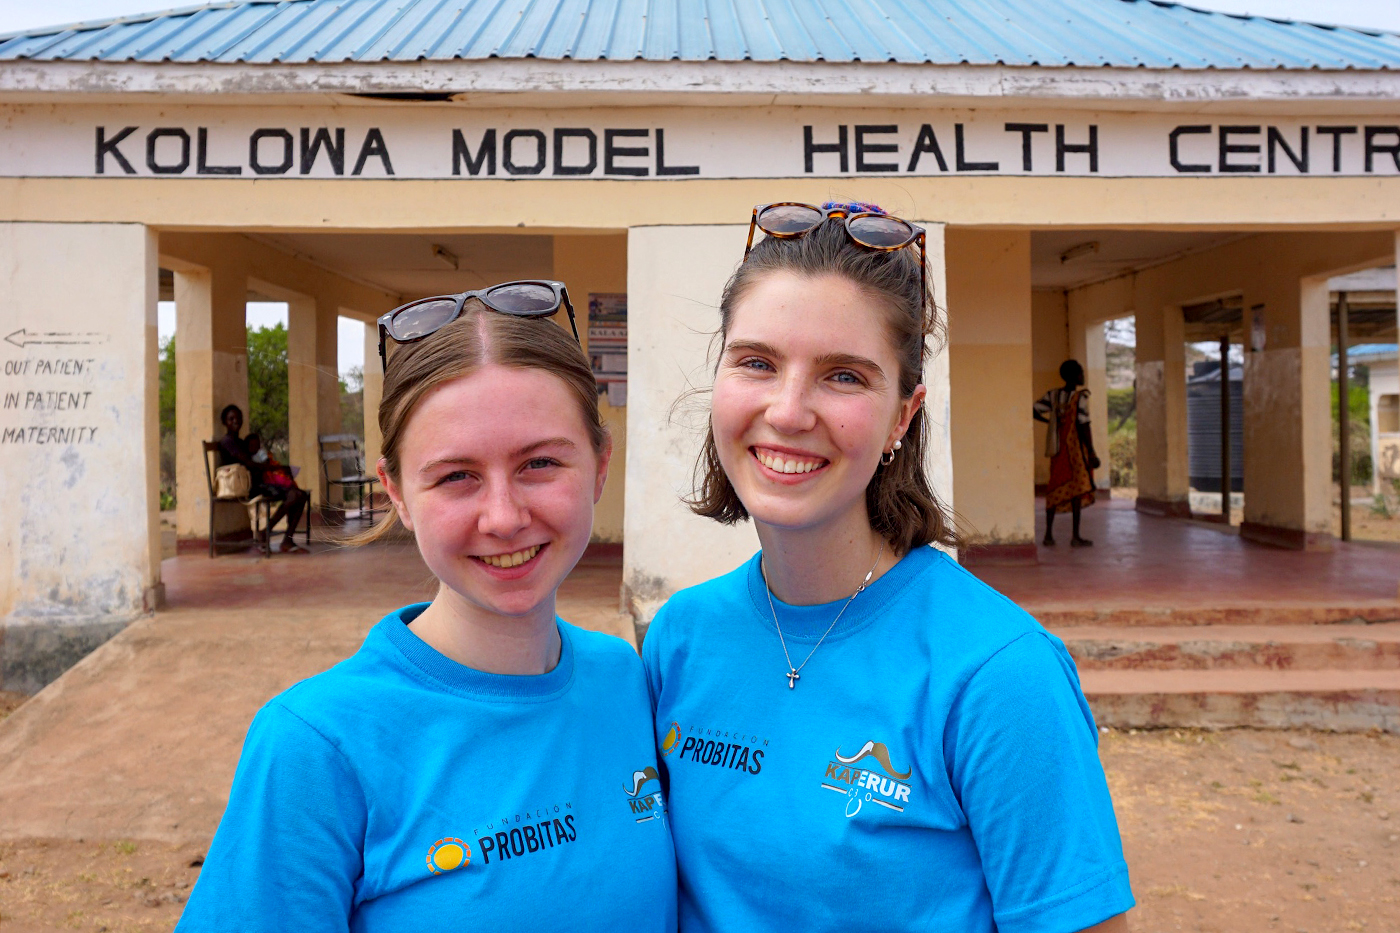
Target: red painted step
[(1235, 647)]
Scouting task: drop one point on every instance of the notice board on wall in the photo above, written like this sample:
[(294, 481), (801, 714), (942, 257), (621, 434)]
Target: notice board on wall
[(607, 345)]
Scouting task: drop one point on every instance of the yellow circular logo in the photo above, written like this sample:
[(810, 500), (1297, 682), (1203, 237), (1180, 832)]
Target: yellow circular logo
[(448, 854), (671, 739)]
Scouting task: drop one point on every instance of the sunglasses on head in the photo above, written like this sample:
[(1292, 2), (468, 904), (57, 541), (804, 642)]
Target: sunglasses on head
[(873, 229), (419, 319)]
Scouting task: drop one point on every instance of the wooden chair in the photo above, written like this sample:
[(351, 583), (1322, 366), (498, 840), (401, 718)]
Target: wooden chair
[(345, 448), (261, 505)]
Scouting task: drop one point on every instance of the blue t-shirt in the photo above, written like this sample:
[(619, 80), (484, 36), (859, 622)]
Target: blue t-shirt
[(935, 767), (400, 790)]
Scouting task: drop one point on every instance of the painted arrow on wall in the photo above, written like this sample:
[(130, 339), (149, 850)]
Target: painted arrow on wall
[(23, 338)]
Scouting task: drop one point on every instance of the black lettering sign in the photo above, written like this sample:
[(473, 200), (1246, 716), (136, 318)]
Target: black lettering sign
[(508, 152), (960, 156), (661, 167), (1374, 148), (1228, 148), (927, 142), (1026, 129), (311, 147), (1091, 148), (485, 153), (1336, 132), (202, 166), (1299, 158), (108, 147), (863, 147), (564, 133), (810, 148), (168, 168), (1174, 147), (373, 146), (280, 168), (612, 152)]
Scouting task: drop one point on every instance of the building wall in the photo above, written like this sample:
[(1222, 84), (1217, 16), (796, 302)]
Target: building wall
[(79, 534), (989, 340)]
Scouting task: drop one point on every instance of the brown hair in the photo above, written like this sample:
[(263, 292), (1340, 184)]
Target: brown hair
[(477, 338), (899, 498)]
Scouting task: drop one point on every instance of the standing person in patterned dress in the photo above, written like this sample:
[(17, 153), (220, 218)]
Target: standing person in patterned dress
[(1069, 444)]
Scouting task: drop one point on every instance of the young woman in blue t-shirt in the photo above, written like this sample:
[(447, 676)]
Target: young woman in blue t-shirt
[(478, 763), (857, 733)]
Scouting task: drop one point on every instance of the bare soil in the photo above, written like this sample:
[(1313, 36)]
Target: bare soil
[(1224, 831), (1366, 524)]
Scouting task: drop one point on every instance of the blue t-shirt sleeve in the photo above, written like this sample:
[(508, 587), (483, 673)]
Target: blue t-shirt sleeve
[(1022, 753), (288, 851)]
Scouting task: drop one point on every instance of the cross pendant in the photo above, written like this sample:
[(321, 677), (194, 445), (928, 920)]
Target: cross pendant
[(793, 678)]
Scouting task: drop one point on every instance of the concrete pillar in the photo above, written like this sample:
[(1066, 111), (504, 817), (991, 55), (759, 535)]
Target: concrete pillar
[(674, 279), (211, 371), (1049, 348), (313, 390), (1163, 477), (79, 442), (598, 265), (1087, 344), (374, 391), (989, 342), (1287, 414)]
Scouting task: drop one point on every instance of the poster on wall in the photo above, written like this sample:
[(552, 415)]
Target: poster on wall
[(607, 345)]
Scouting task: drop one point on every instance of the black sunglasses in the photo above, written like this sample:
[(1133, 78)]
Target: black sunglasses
[(419, 319), (786, 220)]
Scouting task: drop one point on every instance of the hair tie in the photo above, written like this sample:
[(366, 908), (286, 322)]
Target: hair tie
[(854, 207)]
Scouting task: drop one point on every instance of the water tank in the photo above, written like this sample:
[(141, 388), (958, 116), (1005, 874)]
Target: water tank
[(1203, 427)]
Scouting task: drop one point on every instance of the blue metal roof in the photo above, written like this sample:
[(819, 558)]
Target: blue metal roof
[(1121, 33)]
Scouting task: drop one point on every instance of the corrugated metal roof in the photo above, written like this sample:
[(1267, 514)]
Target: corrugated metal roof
[(1120, 33)]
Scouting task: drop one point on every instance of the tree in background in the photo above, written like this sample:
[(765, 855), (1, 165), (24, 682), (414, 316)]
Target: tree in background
[(267, 387), (352, 402), (166, 369)]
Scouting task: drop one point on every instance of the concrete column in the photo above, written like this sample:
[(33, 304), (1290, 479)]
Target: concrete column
[(1087, 344), (674, 279), (1287, 415), (211, 371), (79, 442), (591, 265), (989, 338), (1163, 471), (195, 415), (313, 390), (374, 391)]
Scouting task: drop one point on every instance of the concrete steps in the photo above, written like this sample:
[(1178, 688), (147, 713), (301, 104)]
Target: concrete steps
[(1340, 677), (1335, 700), (1235, 647)]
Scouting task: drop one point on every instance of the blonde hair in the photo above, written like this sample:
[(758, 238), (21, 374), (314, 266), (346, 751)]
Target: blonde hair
[(478, 338)]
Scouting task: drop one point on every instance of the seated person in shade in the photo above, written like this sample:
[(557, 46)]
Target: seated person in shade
[(270, 479)]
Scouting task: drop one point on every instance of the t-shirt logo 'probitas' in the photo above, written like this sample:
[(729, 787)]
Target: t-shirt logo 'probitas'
[(863, 785), (718, 748)]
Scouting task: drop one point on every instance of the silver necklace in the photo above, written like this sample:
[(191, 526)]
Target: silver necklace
[(794, 674)]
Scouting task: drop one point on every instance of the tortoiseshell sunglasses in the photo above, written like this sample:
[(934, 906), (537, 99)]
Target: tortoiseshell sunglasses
[(873, 229)]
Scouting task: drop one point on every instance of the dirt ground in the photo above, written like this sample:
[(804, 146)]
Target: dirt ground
[(1367, 525), (1229, 831)]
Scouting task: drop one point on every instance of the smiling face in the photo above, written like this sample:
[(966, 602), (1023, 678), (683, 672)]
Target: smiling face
[(497, 481), (806, 399)]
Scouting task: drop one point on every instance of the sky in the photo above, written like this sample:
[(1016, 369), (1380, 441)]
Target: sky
[(17, 15)]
